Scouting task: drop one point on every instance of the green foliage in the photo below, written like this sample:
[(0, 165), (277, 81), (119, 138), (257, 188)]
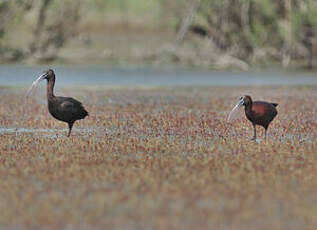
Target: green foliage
[(256, 23), (236, 26), (124, 6)]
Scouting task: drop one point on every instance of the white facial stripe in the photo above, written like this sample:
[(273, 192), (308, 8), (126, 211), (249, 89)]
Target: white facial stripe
[(240, 103)]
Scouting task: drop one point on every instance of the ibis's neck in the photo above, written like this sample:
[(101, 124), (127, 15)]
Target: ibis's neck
[(50, 88), (248, 107)]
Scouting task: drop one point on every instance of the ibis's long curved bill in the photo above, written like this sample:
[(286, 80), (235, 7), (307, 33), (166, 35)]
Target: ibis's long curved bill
[(235, 110), (35, 83)]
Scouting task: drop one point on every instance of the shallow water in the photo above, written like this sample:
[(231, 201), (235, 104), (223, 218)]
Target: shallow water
[(20, 75), (46, 132), (101, 133)]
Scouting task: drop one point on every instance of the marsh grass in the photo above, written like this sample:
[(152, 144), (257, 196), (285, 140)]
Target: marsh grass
[(159, 159)]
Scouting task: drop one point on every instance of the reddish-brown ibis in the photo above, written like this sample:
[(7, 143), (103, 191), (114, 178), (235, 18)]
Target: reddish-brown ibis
[(65, 109), (258, 112)]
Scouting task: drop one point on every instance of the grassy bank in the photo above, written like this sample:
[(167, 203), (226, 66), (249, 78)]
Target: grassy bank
[(205, 34)]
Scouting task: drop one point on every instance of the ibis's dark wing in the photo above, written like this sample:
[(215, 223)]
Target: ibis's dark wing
[(264, 111), (71, 109)]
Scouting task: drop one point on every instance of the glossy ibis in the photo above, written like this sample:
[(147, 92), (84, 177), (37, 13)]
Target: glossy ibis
[(65, 109), (258, 112)]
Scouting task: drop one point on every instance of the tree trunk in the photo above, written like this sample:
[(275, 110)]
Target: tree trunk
[(286, 56), (187, 21), (39, 26)]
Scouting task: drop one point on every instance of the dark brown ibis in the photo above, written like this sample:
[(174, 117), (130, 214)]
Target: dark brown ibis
[(65, 109), (258, 112)]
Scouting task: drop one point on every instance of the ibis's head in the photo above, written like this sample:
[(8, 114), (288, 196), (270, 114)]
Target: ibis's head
[(245, 100), (48, 75)]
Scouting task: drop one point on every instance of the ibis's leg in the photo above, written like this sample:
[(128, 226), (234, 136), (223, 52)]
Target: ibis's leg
[(70, 126), (265, 133), (254, 136)]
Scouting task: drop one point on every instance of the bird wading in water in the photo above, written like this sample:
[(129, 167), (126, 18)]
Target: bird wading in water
[(258, 112), (65, 109)]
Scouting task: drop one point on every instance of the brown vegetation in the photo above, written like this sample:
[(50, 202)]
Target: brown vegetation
[(159, 159)]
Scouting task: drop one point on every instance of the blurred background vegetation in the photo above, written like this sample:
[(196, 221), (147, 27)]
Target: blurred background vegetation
[(220, 34)]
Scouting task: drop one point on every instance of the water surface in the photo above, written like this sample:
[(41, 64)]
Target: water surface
[(20, 75)]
